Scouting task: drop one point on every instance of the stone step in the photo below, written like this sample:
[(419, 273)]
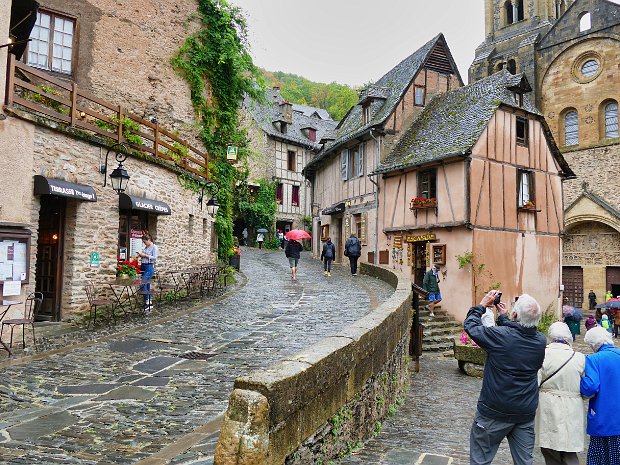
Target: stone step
[(436, 346), (443, 331), (441, 324)]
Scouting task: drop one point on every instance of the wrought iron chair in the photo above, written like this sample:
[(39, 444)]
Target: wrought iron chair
[(94, 302), (166, 287), (31, 309)]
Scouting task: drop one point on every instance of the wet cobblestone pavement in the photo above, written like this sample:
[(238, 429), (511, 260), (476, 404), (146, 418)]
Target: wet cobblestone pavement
[(435, 420), (124, 399)]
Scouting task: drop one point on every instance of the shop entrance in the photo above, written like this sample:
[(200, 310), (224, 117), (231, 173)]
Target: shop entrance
[(49, 265), (420, 259), (131, 226)]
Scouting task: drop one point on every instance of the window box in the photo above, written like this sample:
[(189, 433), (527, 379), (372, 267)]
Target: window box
[(421, 203)]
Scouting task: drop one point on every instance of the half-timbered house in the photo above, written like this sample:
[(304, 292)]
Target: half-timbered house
[(344, 196), (475, 185)]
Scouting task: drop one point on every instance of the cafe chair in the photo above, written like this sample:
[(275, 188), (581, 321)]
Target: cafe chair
[(94, 302), (166, 287), (31, 309)]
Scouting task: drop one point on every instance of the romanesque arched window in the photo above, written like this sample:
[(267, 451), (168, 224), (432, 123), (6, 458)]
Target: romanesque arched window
[(611, 120), (520, 10), (585, 22), (571, 128)]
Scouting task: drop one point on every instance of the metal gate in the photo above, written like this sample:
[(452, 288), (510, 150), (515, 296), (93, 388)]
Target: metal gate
[(572, 278)]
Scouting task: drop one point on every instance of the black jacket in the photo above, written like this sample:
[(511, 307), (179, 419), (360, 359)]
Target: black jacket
[(329, 251), (293, 249), (353, 247), (514, 356)]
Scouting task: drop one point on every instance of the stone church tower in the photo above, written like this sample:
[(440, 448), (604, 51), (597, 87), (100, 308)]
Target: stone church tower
[(570, 50)]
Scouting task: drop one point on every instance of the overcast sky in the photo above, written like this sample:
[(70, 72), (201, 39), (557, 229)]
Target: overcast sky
[(357, 41)]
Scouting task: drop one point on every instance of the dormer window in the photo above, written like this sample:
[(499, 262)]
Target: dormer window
[(585, 22), (366, 114), (522, 130), (419, 96), (312, 134), (283, 126)]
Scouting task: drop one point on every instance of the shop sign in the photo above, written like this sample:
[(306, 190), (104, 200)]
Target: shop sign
[(397, 242), (11, 288), (43, 186), (94, 259), (422, 238), (231, 152)]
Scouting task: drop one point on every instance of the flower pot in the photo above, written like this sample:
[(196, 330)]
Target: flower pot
[(235, 261)]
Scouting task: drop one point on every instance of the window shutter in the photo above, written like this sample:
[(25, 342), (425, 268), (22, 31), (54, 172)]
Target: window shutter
[(344, 165), (364, 229), (359, 165)]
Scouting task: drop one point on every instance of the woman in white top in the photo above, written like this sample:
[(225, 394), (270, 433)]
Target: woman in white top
[(560, 418)]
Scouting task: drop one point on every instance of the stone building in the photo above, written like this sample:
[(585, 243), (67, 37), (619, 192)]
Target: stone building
[(345, 196), (475, 186), (96, 73), (284, 137), (570, 51)]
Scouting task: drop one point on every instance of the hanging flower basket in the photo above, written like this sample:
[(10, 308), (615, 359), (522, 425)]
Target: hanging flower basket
[(419, 203)]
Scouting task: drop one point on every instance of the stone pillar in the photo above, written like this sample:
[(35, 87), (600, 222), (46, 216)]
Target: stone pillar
[(595, 278), (244, 437)]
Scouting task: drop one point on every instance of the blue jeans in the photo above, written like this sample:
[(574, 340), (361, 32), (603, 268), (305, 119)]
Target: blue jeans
[(148, 270)]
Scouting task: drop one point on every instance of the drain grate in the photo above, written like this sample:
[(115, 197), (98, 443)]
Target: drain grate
[(196, 356)]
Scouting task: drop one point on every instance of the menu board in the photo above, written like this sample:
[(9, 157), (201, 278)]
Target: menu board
[(13, 260), (135, 242)]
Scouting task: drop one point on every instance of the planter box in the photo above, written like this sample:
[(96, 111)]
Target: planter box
[(468, 354), (235, 261)]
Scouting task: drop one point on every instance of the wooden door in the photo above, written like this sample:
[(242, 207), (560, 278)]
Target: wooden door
[(613, 280), (572, 278), (49, 256), (419, 262)]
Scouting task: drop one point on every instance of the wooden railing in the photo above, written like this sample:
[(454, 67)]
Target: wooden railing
[(37, 91)]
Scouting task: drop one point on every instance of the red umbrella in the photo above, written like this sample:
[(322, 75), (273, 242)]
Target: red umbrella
[(296, 234)]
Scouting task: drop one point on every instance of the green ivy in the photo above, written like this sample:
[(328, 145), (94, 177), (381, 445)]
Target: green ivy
[(216, 56), (260, 211)]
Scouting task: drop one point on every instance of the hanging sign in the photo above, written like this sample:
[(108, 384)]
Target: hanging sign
[(397, 242), (422, 238), (94, 259), (231, 152)]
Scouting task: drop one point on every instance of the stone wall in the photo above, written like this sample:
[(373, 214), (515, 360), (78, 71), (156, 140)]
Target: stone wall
[(315, 405)]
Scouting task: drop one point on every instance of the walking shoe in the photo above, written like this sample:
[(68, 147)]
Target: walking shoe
[(325, 273), (329, 273), (354, 274)]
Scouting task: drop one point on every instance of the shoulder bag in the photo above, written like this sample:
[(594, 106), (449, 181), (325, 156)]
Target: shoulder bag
[(556, 371)]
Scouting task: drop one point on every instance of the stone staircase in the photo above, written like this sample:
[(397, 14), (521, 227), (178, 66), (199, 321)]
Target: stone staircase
[(439, 331)]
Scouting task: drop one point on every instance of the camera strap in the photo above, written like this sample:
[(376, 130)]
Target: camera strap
[(556, 371)]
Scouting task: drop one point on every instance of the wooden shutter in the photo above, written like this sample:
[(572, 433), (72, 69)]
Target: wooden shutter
[(359, 163), (344, 165)]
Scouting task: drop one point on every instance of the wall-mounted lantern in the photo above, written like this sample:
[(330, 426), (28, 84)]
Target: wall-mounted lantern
[(119, 176)]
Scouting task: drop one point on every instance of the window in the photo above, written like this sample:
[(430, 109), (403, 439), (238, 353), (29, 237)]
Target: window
[(519, 99), (585, 22), (611, 120), (283, 127), (352, 162), (589, 68), (51, 47), (419, 96), (291, 159), (427, 184), (522, 130), (526, 189), (295, 196), (190, 225), (366, 114), (512, 66), (571, 128), (344, 165), (520, 10), (359, 163), (279, 193), (312, 134), (358, 226), (509, 12)]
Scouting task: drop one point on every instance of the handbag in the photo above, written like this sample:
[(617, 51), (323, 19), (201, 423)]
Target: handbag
[(556, 371)]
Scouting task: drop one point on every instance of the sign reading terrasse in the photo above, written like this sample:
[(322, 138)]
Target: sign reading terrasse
[(422, 238)]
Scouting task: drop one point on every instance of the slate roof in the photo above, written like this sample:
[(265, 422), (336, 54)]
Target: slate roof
[(389, 91), (452, 123), (303, 117)]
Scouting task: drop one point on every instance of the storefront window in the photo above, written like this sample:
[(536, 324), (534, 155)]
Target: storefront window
[(131, 226)]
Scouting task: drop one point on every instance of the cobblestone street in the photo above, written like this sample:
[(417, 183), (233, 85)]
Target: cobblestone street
[(435, 420), (124, 399)]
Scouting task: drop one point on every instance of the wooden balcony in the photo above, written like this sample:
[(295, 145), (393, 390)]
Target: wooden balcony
[(37, 92)]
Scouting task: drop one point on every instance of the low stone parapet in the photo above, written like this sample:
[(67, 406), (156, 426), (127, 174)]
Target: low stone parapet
[(321, 402)]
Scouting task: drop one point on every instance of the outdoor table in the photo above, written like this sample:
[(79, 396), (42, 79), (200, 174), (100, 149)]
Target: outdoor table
[(8, 304), (123, 291)]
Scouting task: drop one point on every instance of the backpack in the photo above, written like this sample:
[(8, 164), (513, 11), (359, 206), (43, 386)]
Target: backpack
[(354, 247)]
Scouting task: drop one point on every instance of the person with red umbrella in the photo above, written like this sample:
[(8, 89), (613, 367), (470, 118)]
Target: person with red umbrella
[(293, 248)]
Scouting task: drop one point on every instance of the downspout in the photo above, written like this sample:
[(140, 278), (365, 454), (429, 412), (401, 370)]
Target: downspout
[(376, 254)]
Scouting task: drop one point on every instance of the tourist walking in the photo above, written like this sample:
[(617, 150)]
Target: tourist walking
[(244, 235), (148, 258), (293, 252), (260, 238), (509, 395), (560, 421), (605, 323), (353, 250), (430, 283), (590, 322), (601, 383), (592, 299), (573, 320), (327, 256), (608, 296)]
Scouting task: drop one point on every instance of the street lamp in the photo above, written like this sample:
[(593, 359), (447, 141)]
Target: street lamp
[(119, 177), (213, 206)]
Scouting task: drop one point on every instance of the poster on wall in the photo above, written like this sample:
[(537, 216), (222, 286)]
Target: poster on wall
[(135, 242), (13, 260)]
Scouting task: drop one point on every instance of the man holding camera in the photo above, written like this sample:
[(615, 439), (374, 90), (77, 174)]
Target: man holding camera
[(509, 395)]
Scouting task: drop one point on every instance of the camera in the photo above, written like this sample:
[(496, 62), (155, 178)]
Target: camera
[(498, 299)]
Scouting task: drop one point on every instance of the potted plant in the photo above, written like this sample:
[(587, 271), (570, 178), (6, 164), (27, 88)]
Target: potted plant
[(235, 258), (422, 202), (127, 269)]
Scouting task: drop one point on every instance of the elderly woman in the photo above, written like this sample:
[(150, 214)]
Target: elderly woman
[(560, 421), (601, 383)]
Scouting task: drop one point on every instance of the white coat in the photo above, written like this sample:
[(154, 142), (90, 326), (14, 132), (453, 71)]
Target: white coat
[(560, 418)]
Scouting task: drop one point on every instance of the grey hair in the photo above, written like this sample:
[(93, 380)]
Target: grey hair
[(528, 311), (560, 331), (598, 337)]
